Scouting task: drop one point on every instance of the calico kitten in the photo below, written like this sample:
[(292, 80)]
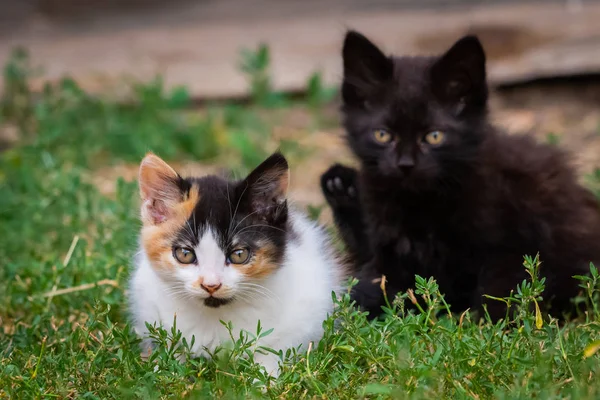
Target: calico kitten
[(214, 250), (442, 193)]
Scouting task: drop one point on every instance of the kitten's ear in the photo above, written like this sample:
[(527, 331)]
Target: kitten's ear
[(160, 189), (365, 68), (458, 77), (267, 185)]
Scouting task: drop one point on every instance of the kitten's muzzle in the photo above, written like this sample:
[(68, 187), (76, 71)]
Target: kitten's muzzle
[(405, 164), (214, 302)]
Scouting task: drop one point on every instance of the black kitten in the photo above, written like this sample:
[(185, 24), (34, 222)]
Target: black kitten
[(442, 193)]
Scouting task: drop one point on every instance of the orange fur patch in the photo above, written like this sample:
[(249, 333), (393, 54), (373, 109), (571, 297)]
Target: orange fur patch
[(157, 239), (262, 265)]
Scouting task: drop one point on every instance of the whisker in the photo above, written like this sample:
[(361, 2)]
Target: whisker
[(245, 297), (195, 225), (179, 291), (248, 296), (255, 287), (230, 210), (256, 232), (190, 229), (236, 208), (261, 225), (242, 220)]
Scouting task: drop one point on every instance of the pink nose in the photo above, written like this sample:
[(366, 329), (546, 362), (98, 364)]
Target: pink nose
[(211, 288)]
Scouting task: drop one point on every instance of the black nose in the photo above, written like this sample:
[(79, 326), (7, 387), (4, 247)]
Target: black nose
[(406, 164)]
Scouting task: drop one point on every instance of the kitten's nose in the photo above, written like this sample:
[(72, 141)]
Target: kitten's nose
[(405, 164), (211, 288)]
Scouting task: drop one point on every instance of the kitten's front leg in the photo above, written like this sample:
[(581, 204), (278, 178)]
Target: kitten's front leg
[(270, 361), (499, 275), (340, 188), (367, 292), (398, 259)]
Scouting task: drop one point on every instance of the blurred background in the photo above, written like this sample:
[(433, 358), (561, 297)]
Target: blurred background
[(89, 86), (217, 84)]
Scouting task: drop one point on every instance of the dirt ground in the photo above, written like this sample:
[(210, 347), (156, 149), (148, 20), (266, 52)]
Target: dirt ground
[(568, 110)]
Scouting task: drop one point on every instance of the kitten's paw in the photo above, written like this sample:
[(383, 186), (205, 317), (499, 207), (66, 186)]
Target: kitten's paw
[(339, 185), (270, 362)]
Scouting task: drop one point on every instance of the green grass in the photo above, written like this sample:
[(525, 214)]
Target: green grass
[(66, 251)]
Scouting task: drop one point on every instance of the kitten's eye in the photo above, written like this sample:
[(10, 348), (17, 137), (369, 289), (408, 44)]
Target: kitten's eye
[(239, 256), (382, 136), (184, 255), (435, 138)]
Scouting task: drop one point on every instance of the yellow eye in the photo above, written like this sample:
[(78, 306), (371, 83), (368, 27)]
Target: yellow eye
[(434, 138), (184, 255), (382, 136), (239, 256)]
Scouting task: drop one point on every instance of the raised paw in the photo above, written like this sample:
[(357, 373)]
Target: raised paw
[(339, 185)]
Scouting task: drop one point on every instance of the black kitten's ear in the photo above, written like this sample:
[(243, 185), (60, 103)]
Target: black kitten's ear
[(458, 77), (161, 189), (365, 68), (267, 185)]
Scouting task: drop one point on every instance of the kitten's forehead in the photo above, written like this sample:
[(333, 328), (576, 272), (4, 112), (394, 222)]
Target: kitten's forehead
[(411, 75), (410, 101), (214, 200), (213, 209)]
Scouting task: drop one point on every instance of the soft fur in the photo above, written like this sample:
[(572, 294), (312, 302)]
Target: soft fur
[(464, 211), (287, 282)]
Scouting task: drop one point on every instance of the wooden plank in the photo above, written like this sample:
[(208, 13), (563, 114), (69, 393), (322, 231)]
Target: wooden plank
[(524, 41)]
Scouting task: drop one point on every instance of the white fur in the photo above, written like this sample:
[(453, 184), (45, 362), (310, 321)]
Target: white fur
[(294, 300)]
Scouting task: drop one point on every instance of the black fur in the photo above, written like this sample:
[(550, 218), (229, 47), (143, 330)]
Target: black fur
[(465, 211)]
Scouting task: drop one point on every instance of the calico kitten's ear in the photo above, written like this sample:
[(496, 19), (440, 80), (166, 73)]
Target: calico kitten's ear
[(458, 77), (267, 185), (365, 68), (161, 189)]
